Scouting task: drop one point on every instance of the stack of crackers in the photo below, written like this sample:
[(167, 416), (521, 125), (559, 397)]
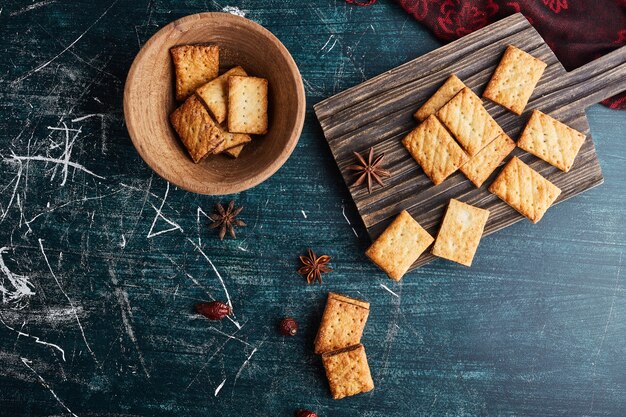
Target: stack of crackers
[(457, 133), (219, 113), (339, 342)]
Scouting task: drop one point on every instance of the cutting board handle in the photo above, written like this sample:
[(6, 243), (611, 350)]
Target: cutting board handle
[(597, 80)]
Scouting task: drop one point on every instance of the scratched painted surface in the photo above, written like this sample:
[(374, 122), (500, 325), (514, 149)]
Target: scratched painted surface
[(102, 261)]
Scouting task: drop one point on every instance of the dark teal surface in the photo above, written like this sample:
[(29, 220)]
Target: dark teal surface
[(536, 327)]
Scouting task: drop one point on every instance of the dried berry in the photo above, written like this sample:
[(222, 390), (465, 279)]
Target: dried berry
[(215, 310), (305, 413), (288, 327)]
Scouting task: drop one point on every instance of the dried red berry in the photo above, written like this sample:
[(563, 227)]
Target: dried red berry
[(305, 413), (215, 310), (288, 327)]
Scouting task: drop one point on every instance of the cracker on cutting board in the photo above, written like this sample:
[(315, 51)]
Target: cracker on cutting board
[(215, 93), (435, 150), (553, 141), (399, 245), (234, 152), (198, 132), (444, 94), (247, 105), (348, 372), (194, 65), (469, 121), (525, 189), (460, 232), (481, 165), (342, 323), (514, 79)]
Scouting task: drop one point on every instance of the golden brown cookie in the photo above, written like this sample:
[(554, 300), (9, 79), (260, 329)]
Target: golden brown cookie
[(342, 323), (194, 65), (480, 167), (247, 105), (444, 94), (469, 121), (234, 152), (215, 93), (525, 189), (231, 140), (399, 246), (553, 141), (434, 150), (514, 79), (348, 372), (460, 232), (198, 132)]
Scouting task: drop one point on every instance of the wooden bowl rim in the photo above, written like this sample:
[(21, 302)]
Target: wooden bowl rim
[(280, 159)]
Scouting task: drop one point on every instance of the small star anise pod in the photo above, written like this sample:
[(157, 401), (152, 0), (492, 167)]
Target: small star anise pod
[(369, 169), (226, 219), (313, 266)]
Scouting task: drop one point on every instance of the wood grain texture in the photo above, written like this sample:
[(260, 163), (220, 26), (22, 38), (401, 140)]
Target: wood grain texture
[(535, 327), (378, 113)]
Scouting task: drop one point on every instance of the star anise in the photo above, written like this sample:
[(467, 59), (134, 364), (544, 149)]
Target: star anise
[(369, 169), (226, 219), (313, 266)]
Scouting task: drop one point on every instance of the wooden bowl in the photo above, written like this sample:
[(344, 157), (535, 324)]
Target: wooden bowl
[(149, 99)]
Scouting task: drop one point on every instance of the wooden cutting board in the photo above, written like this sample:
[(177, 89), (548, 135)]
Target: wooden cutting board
[(379, 113)]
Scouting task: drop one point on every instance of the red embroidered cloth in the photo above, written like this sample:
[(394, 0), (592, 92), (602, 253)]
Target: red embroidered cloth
[(578, 31)]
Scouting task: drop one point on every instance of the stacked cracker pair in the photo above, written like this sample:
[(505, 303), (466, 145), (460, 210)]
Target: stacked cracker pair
[(339, 342), (457, 133), (211, 100)]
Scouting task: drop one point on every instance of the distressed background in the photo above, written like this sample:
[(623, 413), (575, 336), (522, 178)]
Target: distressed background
[(102, 261)]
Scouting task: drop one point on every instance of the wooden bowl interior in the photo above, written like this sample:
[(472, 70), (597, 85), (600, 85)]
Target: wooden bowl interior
[(150, 100)]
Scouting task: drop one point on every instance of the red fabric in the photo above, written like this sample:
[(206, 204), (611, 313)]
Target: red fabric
[(361, 2), (578, 31)]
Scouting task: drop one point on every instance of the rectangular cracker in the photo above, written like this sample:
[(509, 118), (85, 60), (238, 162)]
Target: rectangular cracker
[(460, 232), (435, 150), (247, 105), (194, 65), (348, 372), (342, 323), (444, 94), (350, 300), (399, 246), (553, 141), (480, 167), (525, 189), (231, 140), (514, 79), (234, 152), (469, 121), (215, 93), (198, 132)]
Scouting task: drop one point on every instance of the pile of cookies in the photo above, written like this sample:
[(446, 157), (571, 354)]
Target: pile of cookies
[(219, 113), (457, 133), (339, 342)]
